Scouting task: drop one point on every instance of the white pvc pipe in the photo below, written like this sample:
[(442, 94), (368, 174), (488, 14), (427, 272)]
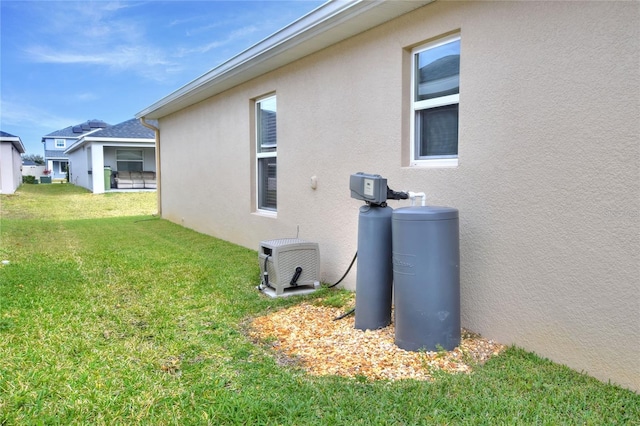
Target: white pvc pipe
[(414, 195)]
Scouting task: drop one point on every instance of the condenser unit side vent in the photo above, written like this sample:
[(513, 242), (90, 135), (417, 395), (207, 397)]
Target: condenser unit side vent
[(292, 265)]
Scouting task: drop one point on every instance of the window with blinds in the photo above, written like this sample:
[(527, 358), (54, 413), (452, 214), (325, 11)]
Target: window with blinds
[(435, 98), (266, 153)]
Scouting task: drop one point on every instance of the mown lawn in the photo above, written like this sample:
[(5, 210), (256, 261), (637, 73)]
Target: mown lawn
[(110, 315)]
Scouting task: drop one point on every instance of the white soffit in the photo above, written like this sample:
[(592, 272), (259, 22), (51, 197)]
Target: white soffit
[(15, 141), (330, 23)]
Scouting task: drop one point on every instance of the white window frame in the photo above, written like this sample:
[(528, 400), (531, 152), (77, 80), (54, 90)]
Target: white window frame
[(60, 143), (261, 155), (416, 106)]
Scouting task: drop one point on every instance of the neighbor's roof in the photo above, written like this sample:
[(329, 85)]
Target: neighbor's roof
[(78, 130), (330, 23), (15, 140), (130, 131)]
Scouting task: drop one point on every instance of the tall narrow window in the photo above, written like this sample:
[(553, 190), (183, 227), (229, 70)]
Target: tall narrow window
[(435, 98), (266, 153)]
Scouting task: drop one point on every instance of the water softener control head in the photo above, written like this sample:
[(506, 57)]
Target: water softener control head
[(368, 187)]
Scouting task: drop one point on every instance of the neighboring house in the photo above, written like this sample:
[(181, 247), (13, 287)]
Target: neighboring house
[(128, 146), (56, 143), (523, 115), (11, 150)]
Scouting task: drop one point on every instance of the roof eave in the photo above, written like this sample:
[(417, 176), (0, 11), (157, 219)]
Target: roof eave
[(328, 24), (16, 142), (122, 140), (135, 142)]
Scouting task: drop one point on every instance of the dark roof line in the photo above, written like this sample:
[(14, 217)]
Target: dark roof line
[(79, 129)]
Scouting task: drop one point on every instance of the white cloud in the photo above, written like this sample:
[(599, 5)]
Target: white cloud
[(178, 22), (104, 39), (125, 56), (141, 43), (145, 61), (232, 38), (27, 115)]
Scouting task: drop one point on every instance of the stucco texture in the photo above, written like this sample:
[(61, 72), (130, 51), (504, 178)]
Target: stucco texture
[(10, 168), (547, 183)]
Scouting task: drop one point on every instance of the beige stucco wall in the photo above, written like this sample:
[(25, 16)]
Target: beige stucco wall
[(547, 183)]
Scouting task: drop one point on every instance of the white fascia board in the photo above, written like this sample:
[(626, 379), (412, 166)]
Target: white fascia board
[(328, 24), (73, 147), (119, 141), (16, 142), (79, 139), (84, 135), (66, 138), (133, 142), (20, 146), (9, 139)]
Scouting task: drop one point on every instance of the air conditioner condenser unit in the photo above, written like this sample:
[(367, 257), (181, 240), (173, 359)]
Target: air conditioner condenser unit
[(292, 266)]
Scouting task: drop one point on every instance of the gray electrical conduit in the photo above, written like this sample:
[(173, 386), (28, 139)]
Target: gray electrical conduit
[(346, 314)]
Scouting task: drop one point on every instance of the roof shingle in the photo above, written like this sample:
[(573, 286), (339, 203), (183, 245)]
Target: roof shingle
[(130, 129), (79, 129), (6, 135)]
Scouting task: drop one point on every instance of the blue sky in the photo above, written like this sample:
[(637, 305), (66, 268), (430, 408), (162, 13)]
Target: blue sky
[(65, 62)]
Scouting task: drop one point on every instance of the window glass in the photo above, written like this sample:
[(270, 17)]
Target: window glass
[(435, 99), (267, 188), (438, 72), (266, 119), (60, 143), (438, 131), (266, 153), (129, 166), (129, 160), (129, 155)]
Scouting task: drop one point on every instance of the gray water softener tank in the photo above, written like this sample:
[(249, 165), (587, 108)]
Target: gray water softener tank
[(374, 282), (426, 274)]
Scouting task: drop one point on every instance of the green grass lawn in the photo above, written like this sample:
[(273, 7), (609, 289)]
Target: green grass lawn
[(109, 315)]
